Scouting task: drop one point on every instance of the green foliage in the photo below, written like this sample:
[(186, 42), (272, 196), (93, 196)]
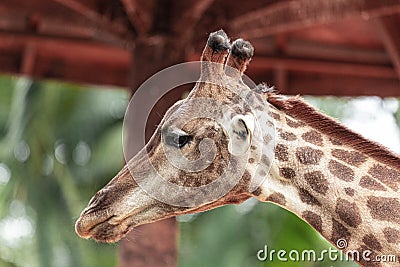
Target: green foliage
[(60, 144), (336, 107), (397, 115)]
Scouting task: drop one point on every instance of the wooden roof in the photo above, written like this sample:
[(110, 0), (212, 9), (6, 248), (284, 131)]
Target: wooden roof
[(319, 47)]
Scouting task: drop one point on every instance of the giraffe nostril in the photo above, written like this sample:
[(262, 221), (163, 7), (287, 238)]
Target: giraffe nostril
[(96, 200)]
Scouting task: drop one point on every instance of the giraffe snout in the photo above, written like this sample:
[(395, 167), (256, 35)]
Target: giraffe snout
[(96, 200)]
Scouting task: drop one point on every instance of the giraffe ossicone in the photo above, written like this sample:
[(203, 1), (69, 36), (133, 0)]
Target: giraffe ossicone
[(227, 142)]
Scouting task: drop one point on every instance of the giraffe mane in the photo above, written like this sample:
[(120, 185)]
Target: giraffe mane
[(299, 109)]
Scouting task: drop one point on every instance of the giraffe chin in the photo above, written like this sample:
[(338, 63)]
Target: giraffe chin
[(113, 228), (106, 231)]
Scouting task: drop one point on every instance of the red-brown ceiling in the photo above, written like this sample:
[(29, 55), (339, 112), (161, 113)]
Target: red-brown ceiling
[(339, 47)]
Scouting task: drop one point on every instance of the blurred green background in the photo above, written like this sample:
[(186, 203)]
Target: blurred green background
[(60, 143)]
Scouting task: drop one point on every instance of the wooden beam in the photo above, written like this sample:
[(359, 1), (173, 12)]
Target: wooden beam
[(190, 18), (12, 21), (299, 48), (329, 84), (21, 22), (281, 43), (37, 7), (86, 12), (66, 47), (83, 62), (285, 16), (83, 72), (114, 30), (316, 66), (388, 28), (28, 59), (306, 49), (56, 27), (139, 19), (335, 85), (281, 79)]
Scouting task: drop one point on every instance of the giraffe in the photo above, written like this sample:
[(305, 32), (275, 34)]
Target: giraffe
[(286, 152)]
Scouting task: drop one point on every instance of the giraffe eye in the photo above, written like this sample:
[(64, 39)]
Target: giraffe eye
[(178, 140), (183, 140)]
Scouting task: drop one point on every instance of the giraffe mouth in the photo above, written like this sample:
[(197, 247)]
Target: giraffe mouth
[(88, 223), (107, 229), (102, 227)]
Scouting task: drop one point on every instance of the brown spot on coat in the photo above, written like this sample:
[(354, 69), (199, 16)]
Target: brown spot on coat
[(348, 212), (372, 242), (335, 142), (251, 160), (260, 107), (341, 171), (307, 198), (387, 176), (276, 116), (313, 137), (265, 160), (384, 209), (313, 219), (392, 235), (262, 173), (294, 124), (317, 181), (369, 183), (257, 192), (243, 185), (339, 231), (277, 198), (210, 135), (351, 157), (267, 139), (287, 173), (349, 191), (287, 136), (308, 155), (246, 177), (281, 152), (260, 98)]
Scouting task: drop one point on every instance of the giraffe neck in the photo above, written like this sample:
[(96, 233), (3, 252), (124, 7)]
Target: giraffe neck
[(344, 193)]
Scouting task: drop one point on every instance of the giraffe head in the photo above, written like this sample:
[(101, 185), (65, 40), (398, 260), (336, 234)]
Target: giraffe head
[(203, 154)]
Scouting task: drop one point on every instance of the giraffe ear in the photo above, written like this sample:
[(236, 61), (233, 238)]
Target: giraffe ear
[(240, 133)]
